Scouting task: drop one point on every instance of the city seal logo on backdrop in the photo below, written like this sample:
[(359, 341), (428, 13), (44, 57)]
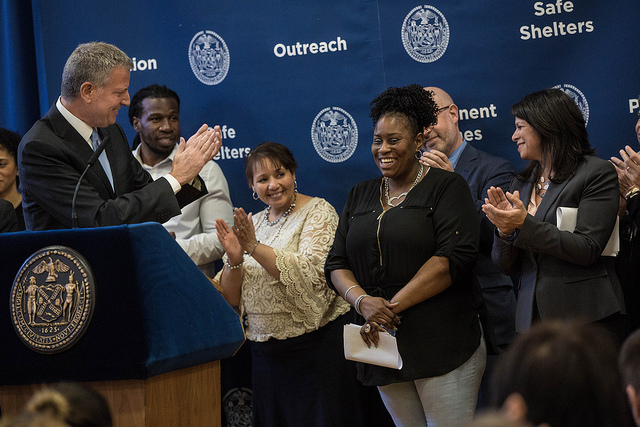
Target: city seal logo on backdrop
[(425, 34), (52, 299), (334, 134), (578, 97), (209, 57)]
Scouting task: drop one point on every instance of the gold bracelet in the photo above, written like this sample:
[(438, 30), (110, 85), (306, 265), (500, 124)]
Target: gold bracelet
[(631, 193)]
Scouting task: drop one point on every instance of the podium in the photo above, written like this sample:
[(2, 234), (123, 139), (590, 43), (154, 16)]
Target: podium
[(153, 344)]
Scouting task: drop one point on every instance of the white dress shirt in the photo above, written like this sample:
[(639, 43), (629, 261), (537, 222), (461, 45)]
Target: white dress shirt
[(195, 227)]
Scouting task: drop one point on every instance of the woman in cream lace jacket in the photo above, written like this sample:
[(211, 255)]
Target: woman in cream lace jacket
[(274, 275)]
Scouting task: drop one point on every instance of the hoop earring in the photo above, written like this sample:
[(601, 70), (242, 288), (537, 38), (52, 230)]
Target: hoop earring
[(418, 155), (255, 196)]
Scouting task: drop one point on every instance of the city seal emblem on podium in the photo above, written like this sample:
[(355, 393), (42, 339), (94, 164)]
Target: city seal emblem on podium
[(52, 299)]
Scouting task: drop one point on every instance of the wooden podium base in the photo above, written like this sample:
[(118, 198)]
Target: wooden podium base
[(187, 397)]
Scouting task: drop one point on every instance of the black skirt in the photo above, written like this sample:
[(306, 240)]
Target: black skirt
[(306, 381)]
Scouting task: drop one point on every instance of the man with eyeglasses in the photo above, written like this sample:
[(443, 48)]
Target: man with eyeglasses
[(445, 148)]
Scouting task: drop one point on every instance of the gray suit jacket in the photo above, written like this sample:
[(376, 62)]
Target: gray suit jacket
[(562, 272), (51, 157)]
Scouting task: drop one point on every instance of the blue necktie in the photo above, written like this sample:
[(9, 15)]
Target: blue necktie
[(95, 142)]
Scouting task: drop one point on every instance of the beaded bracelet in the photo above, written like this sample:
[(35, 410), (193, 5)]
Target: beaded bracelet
[(357, 303), (233, 267), (254, 248), (349, 290)]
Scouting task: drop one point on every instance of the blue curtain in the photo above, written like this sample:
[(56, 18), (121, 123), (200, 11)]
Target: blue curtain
[(19, 107)]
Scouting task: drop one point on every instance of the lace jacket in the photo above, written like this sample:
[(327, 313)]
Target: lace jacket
[(301, 301)]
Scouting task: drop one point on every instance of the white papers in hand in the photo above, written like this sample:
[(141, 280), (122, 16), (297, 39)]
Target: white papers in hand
[(566, 220), (386, 354)]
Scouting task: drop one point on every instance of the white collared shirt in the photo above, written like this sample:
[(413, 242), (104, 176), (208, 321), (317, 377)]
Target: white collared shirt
[(195, 227), (81, 127)]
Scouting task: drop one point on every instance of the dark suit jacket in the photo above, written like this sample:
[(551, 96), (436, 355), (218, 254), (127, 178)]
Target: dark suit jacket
[(563, 270), (482, 170), (628, 261), (8, 218), (51, 157)]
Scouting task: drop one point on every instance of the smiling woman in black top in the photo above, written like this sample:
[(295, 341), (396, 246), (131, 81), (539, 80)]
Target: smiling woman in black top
[(402, 256)]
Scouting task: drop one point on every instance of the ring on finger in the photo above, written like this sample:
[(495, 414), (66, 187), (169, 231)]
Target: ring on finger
[(241, 228), (367, 328)]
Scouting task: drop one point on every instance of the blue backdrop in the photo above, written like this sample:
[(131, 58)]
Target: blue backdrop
[(304, 73)]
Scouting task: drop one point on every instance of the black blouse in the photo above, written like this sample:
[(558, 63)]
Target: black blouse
[(385, 250)]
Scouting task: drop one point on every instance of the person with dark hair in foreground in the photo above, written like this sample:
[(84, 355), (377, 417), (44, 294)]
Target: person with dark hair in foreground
[(629, 364), (561, 374), (64, 404), (403, 256)]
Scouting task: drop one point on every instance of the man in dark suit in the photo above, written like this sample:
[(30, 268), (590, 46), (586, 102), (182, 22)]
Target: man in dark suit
[(116, 189), (447, 149)]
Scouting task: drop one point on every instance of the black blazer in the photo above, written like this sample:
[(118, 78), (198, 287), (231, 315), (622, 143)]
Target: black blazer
[(564, 270), (8, 219), (51, 157)]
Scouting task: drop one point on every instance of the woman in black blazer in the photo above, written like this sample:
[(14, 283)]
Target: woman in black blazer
[(561, 272)]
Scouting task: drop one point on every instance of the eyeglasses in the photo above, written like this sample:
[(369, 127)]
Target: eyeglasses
[(440, 110)]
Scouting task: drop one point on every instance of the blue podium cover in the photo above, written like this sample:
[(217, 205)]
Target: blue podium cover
[(154, 310)]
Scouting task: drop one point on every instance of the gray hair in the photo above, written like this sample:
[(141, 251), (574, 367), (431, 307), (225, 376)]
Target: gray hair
[(91, 62)]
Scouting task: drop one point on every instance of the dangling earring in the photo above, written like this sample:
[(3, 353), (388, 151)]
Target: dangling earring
[(295, 185), (254, 195), (418, 155)]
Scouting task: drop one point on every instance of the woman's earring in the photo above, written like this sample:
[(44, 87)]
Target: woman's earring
[(255, 196), (418, 155), (295, 185)]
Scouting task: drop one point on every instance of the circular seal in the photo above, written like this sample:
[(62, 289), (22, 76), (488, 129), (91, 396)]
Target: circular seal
[(52, 299), (578, 97), (209, 57), (425, 34), (334, 134), (237, 404)]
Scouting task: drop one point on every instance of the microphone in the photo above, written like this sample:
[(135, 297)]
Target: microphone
[(91, 162)]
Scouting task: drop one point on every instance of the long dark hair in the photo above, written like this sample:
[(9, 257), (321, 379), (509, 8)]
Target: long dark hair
[(563, 133)]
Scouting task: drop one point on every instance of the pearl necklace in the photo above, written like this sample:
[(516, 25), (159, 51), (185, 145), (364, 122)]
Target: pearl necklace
[(287, 212), (386, 188)]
